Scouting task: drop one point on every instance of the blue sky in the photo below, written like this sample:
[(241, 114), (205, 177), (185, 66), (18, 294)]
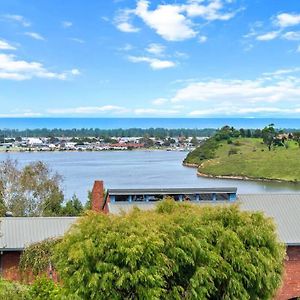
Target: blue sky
[(121, 58)]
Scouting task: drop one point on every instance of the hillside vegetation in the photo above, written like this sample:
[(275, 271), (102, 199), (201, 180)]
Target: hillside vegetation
[(256, 158)]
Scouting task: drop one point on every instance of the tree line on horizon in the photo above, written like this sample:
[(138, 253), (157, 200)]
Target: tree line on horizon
[(105, 133)]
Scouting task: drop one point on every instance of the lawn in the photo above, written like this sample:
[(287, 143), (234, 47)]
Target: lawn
[(253, 159)]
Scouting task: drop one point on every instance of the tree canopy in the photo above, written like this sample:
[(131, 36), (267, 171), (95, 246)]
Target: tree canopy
[(178, 251), (34, 190)]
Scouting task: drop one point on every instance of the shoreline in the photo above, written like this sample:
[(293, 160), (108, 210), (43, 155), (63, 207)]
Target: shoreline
[(232, 177), (87, 151)]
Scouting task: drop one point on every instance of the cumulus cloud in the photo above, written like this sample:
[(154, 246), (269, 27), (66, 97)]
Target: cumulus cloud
[(4, 45), (17, 19), (156, 49), (287, 20), (35, 36), (89, 110), (174, 22), (279, 23), (15, 69), (167, 20), (154, 63)]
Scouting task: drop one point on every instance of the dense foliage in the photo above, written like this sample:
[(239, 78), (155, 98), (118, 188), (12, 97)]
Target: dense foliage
[(37, 258), (33, 190), (179, 251), (13, 290), (106, 133), (206, 150)]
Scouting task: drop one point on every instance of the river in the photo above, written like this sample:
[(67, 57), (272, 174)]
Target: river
[(139, 169)]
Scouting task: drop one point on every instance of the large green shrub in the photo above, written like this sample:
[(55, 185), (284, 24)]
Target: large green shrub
[(13, 291), (179, 251)]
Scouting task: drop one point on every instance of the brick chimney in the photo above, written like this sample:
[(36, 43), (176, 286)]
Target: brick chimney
[(97, 196)]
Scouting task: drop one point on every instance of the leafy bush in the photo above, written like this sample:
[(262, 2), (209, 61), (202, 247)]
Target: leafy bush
[(13, 291), (44, 289), (179, 251), (37, 257)]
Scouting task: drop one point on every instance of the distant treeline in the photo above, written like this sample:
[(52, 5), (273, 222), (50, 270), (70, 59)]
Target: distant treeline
[(95, 132)]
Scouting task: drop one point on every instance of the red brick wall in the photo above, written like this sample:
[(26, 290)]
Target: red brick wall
[(10, 265), (291, 280)]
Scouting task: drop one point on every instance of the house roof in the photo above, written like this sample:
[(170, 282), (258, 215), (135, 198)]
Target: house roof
[(17, 233), (171, 191), (283, 208)]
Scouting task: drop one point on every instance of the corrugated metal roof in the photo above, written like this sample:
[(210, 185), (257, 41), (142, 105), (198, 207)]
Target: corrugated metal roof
[(170, 191), (283, 208), (17, 233)]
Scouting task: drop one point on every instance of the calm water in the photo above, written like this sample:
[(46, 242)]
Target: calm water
[(138, 169), (111, 123)]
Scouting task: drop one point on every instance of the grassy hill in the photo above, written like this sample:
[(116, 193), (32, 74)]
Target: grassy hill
[(248, 157)]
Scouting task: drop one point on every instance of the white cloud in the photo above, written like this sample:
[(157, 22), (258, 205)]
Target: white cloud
[(167, 20), (173, 22), (18, 19), (66, 24), (4, 45), (271, 93), (122, 21), (268, 36), (287, 20), (153, 111), (127, 27), (280, 23), (12, 68), (210, 12), (156, 49), (292, 35), (35, 36), (159, 101), (202, 39), (89, 110), (154, 63), (250, 91), (298, 49)]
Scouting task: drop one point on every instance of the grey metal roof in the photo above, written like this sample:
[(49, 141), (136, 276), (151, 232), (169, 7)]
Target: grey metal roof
[(283, 208), (17, 233), (171, 191)]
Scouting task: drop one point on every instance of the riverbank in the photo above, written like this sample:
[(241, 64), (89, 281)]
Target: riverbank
[(248, 159), (22, 150)]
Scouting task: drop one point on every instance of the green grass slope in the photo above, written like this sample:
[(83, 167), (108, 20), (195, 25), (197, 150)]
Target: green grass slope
[(249, 157)]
